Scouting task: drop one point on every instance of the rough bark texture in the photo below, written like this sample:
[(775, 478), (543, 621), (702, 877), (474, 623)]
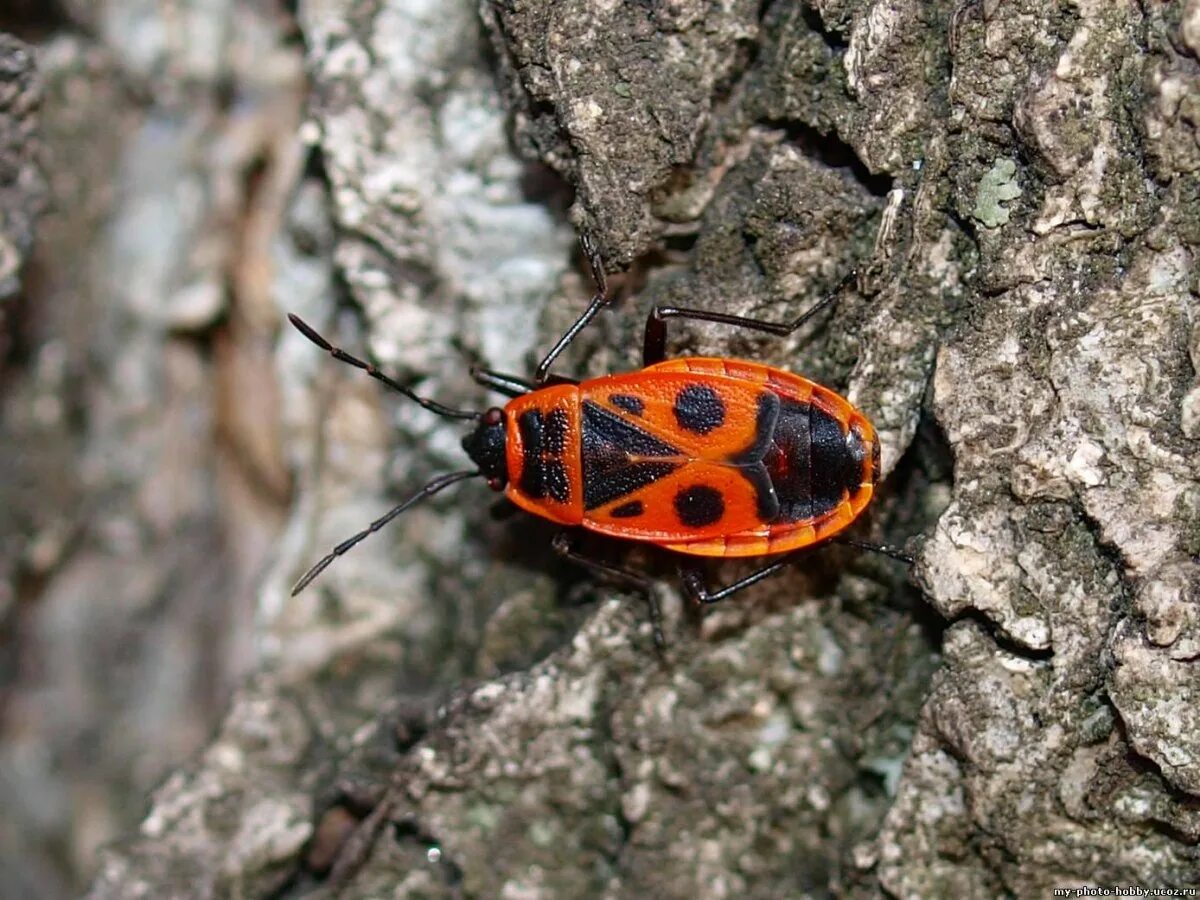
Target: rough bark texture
[(143, 482), (1018, 186), (22, 187)]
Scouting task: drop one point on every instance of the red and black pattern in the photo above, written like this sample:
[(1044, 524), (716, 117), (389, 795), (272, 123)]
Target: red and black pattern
[(704, 456), (708, 456)]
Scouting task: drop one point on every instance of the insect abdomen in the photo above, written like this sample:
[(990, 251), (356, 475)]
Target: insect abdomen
[(812, 464)]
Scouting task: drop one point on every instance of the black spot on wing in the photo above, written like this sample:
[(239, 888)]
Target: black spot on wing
[(630, 510), (628, 402), (699, 409), (699, 505)]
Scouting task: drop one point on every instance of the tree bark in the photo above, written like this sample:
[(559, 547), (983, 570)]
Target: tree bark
[(448, 711)]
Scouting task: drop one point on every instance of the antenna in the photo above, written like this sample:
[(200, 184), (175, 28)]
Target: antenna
[(439, 483), (338, 353)]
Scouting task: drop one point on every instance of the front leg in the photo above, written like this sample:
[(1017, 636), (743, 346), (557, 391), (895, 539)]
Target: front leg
[(513, 385), (599, 300)]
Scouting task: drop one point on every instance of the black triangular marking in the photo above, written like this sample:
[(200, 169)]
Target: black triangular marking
[(600, 425), (619, 482), (607, 445)]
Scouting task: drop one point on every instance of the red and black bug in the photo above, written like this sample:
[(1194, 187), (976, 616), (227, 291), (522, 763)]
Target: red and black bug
[(703, 456)]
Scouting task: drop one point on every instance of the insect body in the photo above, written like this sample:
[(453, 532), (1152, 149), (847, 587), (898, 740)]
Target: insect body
[(708, 457), (703, 456)]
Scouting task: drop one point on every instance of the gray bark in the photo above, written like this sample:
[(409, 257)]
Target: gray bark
[(449, 712)]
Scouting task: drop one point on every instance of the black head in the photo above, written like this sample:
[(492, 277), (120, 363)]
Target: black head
[(485, 446)]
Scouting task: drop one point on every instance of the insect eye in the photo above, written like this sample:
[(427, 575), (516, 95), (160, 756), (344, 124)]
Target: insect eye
[(496, 484), (493, 416)]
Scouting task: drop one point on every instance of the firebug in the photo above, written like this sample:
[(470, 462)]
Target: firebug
[(704, 456)]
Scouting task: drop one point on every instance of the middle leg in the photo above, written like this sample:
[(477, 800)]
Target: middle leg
[(640, 582)]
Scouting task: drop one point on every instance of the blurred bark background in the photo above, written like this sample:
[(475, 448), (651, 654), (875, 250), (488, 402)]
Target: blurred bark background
[(448, 711)]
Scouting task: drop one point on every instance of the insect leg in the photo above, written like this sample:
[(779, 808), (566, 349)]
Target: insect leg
[(891, 552), (654, 342), (512, 385), (598, 302), (692, 579), (508, 385), (640, 582)]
